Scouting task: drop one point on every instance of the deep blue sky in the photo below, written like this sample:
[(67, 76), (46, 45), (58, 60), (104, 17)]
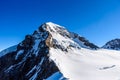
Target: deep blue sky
[(97, 20)]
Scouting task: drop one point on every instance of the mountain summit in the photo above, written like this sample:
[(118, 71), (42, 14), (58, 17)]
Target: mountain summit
[(58, 32), (32, 60), (54, 53), (113, 44)]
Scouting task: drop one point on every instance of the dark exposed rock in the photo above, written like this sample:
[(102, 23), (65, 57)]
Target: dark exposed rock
[(41, 28), (6, 61), (19, 69), (27, 43)]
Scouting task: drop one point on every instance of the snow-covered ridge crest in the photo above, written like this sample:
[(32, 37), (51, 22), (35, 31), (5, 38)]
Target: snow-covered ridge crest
[(61, 33), (52, 27), (113, 44)]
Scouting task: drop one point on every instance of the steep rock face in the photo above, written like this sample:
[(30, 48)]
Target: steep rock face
[(113, 44), (31, 60)]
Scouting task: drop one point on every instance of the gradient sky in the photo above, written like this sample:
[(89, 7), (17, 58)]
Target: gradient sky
[(97, 20)]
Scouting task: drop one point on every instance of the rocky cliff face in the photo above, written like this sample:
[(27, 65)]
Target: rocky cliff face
[(31, 60), (113, 44)]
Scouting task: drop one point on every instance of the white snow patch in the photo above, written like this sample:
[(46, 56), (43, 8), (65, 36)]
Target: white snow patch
[(19, 53), (56, 76), (64, 42), (34, 77), (35, 47), (51, 24), (31, 70), (38, 68)]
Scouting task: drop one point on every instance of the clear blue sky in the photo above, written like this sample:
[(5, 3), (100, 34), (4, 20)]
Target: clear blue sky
[(97, 20)]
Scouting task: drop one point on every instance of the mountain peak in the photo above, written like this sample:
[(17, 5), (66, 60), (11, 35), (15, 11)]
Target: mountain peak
[(51, 24), (35, 57), (61, 34), (52, 27), (113, 44)]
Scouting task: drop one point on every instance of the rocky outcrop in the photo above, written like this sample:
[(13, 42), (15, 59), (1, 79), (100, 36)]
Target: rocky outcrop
[(49, 41)]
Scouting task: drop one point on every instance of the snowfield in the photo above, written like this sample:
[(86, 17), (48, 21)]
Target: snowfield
[(85, 64), (80, 62)]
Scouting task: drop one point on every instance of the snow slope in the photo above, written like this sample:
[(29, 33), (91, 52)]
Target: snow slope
[(76, 62), (87, 64)]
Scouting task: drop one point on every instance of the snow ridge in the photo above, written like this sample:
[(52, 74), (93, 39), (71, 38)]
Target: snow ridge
[(113, 44)]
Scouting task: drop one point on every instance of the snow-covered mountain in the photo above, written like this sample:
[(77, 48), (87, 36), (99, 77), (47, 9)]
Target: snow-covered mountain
[(54, 53), (113, 44)]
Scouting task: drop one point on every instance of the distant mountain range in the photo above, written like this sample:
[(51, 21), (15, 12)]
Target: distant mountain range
[(113, 44), (54, 53)]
